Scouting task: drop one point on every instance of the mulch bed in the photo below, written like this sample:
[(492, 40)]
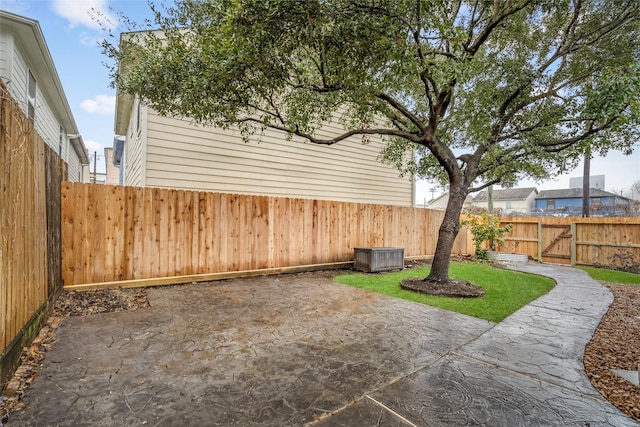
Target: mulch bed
[(99, 301), (616, 345), (449, 288)]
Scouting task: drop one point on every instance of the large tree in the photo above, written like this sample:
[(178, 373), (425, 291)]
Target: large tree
[(483, 92)]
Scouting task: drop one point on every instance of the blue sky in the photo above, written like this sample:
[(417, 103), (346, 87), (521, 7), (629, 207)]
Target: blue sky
[(72, 37)]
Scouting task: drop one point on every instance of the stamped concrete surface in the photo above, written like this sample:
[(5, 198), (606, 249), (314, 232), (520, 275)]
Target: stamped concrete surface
[(270, 351), (300, 349), (525, 371)]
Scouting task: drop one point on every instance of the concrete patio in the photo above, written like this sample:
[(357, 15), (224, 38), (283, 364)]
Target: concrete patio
[(300, 349)]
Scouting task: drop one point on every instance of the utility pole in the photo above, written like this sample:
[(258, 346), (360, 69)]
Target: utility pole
[(490, 209), (95, 160), (585, 185)]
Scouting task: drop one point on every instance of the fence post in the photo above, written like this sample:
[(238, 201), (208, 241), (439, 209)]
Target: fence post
[(539, 241), (573, 244)]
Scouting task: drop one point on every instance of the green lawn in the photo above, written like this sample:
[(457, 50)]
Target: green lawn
[(612, 276), (505, 290)]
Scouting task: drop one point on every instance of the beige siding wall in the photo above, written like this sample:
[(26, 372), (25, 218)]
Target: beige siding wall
[(181, 155), (502, 204), (134, 153), (522, 206), (112, 171)]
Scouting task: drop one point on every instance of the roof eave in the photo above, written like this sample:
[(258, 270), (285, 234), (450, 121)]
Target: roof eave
[(124, 102)]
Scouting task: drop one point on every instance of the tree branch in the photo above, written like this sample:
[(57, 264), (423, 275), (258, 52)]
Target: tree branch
[(404, 111), (374, 131), (494, 22)]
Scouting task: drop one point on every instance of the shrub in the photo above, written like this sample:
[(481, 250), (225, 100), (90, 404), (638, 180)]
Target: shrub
[(485, 228)]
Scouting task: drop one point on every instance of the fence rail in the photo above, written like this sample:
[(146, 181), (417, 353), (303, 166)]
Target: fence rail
[(114, 233)]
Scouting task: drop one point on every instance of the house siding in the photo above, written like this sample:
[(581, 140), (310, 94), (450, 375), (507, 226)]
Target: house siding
[(74, 168), (22, 49), (18, 78), (6, 47), (134, 154), (181, 155), (561, 203), (516, 205), (46, 123)]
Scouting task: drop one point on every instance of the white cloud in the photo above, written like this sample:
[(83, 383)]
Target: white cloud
[(89, 41), (93, 146), (100, 104), (86, 13)]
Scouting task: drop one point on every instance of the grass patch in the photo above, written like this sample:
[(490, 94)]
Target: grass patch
[(613, 276), (505, 290)]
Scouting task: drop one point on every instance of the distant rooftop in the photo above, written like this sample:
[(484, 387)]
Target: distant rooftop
[(572, 193), (506, 194)]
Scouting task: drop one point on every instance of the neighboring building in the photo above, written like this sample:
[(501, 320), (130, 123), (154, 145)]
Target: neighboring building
[(98, 178), (28, 71), (112, 170), (440, 202), (569, 202), (508, 201), (175, 153)]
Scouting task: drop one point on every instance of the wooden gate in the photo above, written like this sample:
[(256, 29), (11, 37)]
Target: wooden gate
[(556, 243)]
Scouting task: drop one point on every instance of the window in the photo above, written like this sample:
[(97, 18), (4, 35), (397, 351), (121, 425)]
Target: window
[(551, 204), (508, 204), (31, 97)]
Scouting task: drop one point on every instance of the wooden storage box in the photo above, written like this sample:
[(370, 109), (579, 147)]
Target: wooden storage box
[(373, 260)]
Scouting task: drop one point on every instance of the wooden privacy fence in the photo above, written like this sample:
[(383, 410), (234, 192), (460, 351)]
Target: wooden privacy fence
[(30, 263), (114, 233), (585, 241)]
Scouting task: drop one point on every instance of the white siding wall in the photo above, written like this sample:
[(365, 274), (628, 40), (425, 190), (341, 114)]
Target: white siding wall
[(46, 123), (134, 173), (180, 155), (516, 205), (6, 49), (74, 168), (19, 78)]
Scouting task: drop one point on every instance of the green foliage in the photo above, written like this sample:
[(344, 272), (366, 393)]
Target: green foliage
[(471, 93), (613, 276), (524, 87), (486, 228), (505, 290)]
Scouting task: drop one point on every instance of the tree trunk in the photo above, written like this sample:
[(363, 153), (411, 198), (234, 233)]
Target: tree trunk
[(447, 234)]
